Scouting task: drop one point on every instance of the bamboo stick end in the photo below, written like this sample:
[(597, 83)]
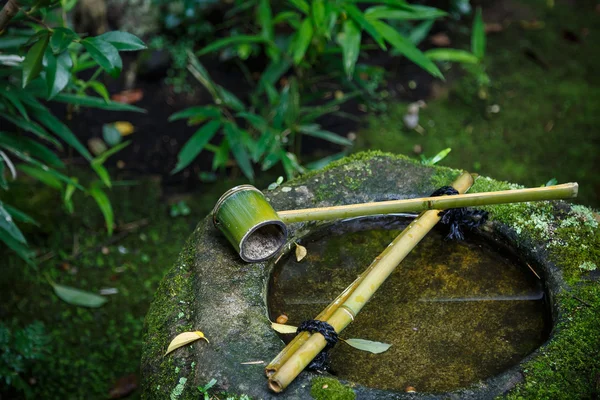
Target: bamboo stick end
[(274, 386), (269, 372), (575, 189)]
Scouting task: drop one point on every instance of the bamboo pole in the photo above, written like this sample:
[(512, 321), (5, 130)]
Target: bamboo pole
[(564, 191), (379, 270)]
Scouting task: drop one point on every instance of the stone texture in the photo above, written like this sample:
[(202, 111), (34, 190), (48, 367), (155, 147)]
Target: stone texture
[(212, 290)]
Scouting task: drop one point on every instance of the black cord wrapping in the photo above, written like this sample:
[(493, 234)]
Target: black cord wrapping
[(320, 362), (458, 218)]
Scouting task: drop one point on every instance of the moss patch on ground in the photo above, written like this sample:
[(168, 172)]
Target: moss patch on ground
[(547, 90), (330, 389)]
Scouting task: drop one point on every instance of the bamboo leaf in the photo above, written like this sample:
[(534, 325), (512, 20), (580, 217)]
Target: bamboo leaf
[(301, 5), (196, 112), (104, 204), (123, 41), (20, 216), (22, 250), (317, 9), (105, 54), (282, 328), (349, 40), (95, 102), (233, 41), (315, 130), (27, 149), (408, 49), (264, 17), (8, 225), (229, 99), (46, 177), (185, 338), (32, 127), (234, 135), (300, 252), (478, 36), (14, 100), (3, 182), (101, 159), (406, 13), (62, 131), (61, 39), (78, 297), (368, 345), (453, 55), (221, 155), (32, 65), (420, 32), (365, 24), (197, 142), (302, 41), (99, 88)]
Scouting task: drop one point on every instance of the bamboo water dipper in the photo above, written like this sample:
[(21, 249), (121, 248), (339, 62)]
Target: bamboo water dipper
[(258, 232), (299, 353)]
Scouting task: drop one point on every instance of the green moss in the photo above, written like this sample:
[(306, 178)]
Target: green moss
[(330, 389)]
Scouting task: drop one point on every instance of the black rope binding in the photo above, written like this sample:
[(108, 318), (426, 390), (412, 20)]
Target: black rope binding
[(458, 218), (320, 362)]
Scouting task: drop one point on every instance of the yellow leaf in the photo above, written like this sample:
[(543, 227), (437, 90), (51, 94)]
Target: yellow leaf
[(124, 127), (185, 338), (300, 252), (281, 328)]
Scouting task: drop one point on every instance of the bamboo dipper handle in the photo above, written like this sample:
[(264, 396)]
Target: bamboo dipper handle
[(564, 191)]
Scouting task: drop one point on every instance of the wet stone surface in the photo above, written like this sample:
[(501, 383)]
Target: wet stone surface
[(454, 312)]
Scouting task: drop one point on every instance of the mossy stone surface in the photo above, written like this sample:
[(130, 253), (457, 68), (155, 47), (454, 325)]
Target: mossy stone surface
[(210, 289)]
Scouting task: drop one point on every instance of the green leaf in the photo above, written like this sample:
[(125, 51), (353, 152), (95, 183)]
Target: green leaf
[(57, 72), (197, 142), (7, 224), (95, 102), (105, 54), (69, 191), (270, 160), (406, 13), (301, 5), (323, 162), (61, 39), (221, 155), (478, 35), (365, 24), (453, 55), (102, 173), (201, 74), (18, 247), (229, 99), (10, 96), (315, 130), (233, 41), (273, 73), (264, 18), (20, 215), (32, 65), (104, 205), (33, 127), (302, 41), (349, 39), (99, 88), (368, 345), (408, 49), (197, 113), (234, 136), (258, 122), (420, 32), (26, 148), (551, 182), (62, 131), (123, 41), (3, 182), (287, 16), (46, 177), (78, 297), (101, 159), (317, 8), (437, 158)]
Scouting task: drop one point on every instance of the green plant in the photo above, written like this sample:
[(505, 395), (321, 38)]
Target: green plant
[(472, 61), (304, 43), (204, 389), (53, 58), (437, 158)]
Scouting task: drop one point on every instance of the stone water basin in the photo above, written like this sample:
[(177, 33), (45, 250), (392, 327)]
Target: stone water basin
[(455, 313)]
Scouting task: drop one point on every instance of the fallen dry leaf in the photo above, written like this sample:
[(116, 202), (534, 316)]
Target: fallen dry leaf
[(281, 328), (300, 252), (124, 127), (185, 338), (493, 27), (440, 39), (128, 96), (123, 387)]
